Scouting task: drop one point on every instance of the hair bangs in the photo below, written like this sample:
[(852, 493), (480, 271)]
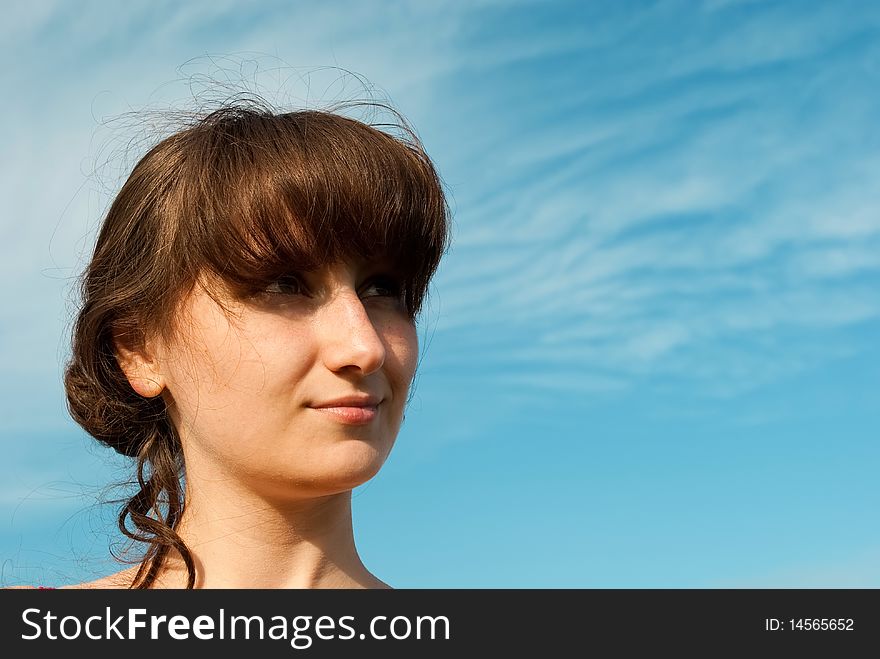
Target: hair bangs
[(297, 191)]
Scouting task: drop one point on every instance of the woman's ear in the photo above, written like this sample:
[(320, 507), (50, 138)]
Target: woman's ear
[(138, 362)]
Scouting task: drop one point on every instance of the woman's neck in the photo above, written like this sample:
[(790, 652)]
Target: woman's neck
[(256, 543)]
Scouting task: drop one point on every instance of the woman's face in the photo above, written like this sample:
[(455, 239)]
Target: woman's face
[(246, 390)]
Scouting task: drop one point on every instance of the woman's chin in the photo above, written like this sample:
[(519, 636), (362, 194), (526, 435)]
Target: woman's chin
[(355, 463), (343, 468)]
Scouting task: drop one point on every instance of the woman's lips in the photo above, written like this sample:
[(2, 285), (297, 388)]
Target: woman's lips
[(354, 416)]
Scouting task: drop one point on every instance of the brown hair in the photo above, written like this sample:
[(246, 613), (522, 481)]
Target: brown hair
[(245, 194)]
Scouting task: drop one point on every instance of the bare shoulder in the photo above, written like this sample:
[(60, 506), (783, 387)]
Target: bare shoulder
[(375, 583), (121, 579)]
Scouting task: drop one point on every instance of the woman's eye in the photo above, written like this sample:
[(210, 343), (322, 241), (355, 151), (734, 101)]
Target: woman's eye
[(382, 287), (286, 285), (385, 287)]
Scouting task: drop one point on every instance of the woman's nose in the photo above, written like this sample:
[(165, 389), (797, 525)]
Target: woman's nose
[(348, 336)]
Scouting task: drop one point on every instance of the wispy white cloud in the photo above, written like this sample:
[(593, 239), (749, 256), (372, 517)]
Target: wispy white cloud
[(708, 209)]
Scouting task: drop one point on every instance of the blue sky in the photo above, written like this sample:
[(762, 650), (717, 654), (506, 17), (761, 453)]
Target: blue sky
[(650, 357)]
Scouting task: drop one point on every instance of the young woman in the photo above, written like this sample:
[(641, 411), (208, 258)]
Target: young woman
[(248, 337)]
